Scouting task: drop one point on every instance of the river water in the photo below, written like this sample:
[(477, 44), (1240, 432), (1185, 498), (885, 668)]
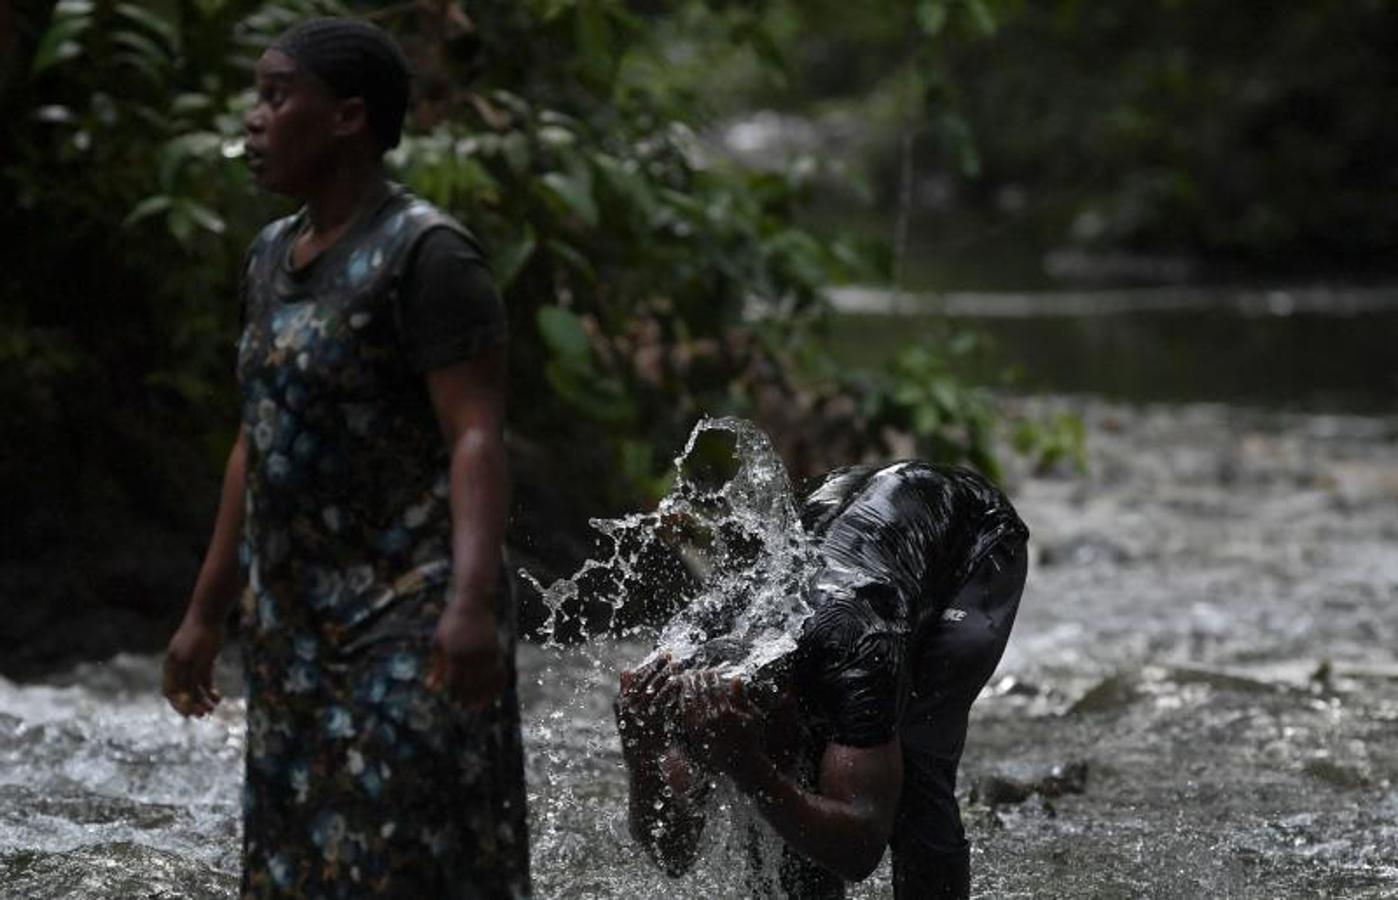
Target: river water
[(1313, 348), (1200, 700)]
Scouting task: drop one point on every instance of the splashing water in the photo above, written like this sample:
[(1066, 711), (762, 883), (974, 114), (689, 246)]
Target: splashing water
[(731, 520), (739, 536)]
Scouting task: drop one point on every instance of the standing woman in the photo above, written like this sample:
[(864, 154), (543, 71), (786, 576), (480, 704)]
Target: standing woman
[(367, 494)]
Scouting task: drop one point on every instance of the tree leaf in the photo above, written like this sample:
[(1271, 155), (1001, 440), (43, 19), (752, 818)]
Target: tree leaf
[(191, 102), (982, 19), (752, 32), (143, 64), (548, 10), (947, 395), (570, 255), (146, 208), (931, 16), (204, 217), (563, 333), (180, 223), (196, 145), (141, 45), (593, 33), (574, 192), (515, 148), (511, 259), (926, 419), (58, 42), (153, 22), (600, 398), (627, 183), (956, 138)]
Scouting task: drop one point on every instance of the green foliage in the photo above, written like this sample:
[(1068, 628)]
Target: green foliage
[(629, 255), (1241, 133), (1052, 442), (632, 257), (117, 307), (1247, 131), (920, 394)]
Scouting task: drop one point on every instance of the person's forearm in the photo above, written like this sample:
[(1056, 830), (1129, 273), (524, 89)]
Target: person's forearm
[(843, 837), (480, 498), (221, 577), (665, 810)]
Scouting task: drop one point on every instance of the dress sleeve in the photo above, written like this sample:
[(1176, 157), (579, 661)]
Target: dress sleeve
[(450, 309)]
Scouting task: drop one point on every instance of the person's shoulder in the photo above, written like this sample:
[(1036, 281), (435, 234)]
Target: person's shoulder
[(267, 247), (962, 494), (921, 474), (424, 220), (845, 606), (832, 492), (274, 232)]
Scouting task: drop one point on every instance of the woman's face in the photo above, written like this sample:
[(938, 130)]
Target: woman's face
[(292, 128)]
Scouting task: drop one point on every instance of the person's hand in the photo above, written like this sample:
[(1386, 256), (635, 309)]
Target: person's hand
[(644, 708), (188, 681), (466, 658), (722, 729)]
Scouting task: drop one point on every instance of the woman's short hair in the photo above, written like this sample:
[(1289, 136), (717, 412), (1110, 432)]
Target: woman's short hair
[(355, 59)]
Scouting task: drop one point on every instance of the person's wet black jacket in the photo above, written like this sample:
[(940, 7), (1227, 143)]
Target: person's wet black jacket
[(899, 541)]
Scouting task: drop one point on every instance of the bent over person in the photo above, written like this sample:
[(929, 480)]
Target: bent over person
[(853, 746), (367, 492)]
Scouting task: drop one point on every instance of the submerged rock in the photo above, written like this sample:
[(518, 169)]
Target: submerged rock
[(1002, 789), (1357, 483), (119, 869), (1113, 693), (1085, 550), (1335, 773)]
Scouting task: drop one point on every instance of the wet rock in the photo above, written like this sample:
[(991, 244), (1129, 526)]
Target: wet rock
[(88, 808), (1010, 686), (1113, 693), (1085, 550), (1323, 676), (1335, 773), (117, 869), (1003, 789), (1358, 483), (1229, 681)]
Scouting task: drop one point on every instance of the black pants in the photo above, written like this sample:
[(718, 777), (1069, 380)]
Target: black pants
[(952, 659)]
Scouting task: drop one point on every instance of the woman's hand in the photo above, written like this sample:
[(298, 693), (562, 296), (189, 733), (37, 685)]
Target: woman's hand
[(722, 729), (466, 658), (644, 707), (189, 668)]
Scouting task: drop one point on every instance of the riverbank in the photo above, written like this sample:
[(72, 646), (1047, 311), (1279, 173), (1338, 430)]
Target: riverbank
[(1200, 699)]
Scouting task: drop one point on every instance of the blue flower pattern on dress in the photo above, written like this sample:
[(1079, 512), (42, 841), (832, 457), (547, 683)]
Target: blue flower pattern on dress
[(360, 782)]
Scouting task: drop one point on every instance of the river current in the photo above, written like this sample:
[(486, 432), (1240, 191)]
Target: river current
[(1200, 700)]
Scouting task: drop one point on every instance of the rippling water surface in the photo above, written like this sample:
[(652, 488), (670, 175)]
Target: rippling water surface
[(1200, 699)]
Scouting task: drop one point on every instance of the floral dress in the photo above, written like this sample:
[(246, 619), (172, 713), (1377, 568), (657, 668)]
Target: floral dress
[(360, 782)]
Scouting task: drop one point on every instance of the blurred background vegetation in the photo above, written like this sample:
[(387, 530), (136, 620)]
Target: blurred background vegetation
[(668, 188)]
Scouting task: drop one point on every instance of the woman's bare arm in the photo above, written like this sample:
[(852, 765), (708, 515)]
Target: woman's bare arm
[(220, 578), (469, 401), (188, 680)]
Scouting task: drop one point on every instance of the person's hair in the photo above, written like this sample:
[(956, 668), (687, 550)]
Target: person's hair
[(355, 59)]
